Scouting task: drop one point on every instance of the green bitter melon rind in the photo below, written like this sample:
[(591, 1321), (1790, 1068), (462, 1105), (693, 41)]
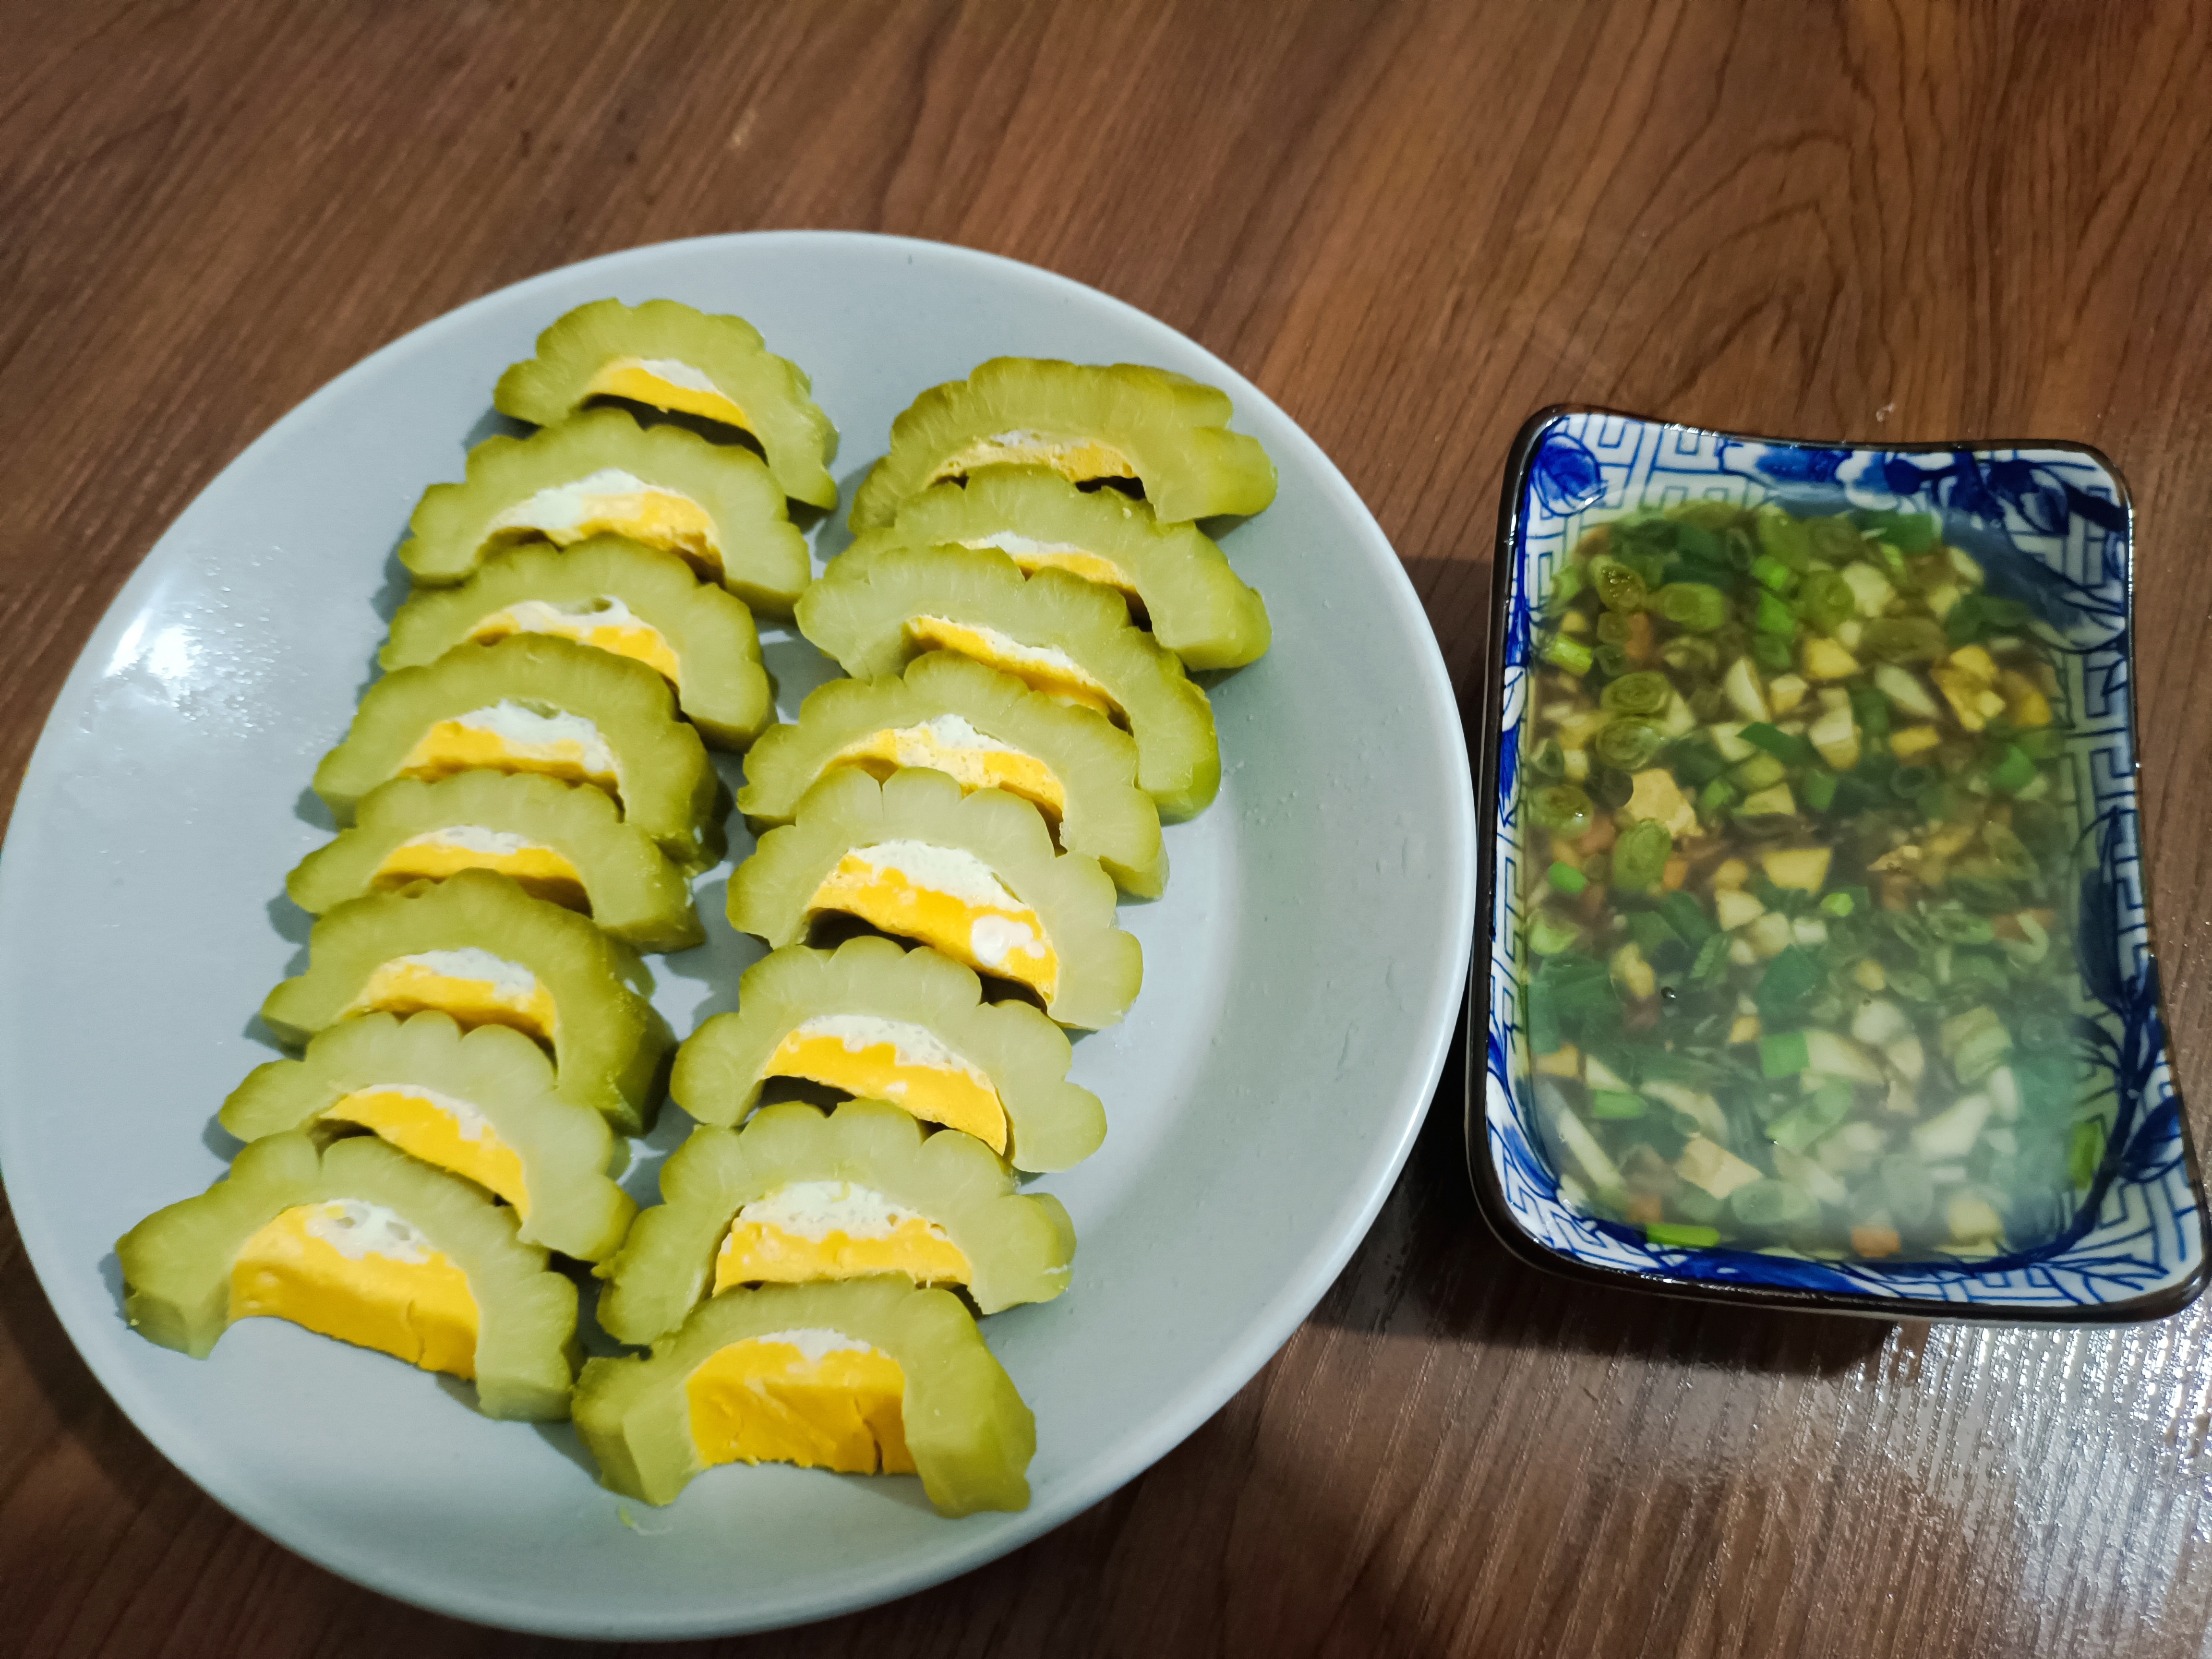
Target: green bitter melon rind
[(860, 610), (722, 688), (1173, 430), (775, 393), (970, 1434), (1100, 966), (1020, 1248), (177, 1262), (609, 1043), (1195, 603), (1095, 762), (668, 785), (1052, 1124), (635, 893), (762, 555), (566, 1149)]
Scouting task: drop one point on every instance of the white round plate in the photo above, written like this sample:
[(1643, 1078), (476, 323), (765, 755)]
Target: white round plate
[(1301, 975)]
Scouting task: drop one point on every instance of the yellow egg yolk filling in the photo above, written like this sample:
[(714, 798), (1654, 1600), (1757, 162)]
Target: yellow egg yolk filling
[(414, 1305), (620, 634), (767, 1243), (1041, 668), (423, 1125), (623, 506), (1033, 556), (541, 872), (465, 745), (972, 766), (475, 992), (1006, 939), (769, 1399), (663, 384), (1077, 459), (956, 1095)]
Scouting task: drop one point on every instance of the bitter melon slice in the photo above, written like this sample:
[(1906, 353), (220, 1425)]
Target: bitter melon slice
[(878, 606), (907, 1026), (358, 1241), (866, 1375), (797, 1196), (1173, 575), (479, 948), (602, 472), (1083, 421), (535, 703), (563, 841), (668, 357), (987, 729), (481, 1105), (974, 876), (616, 595)]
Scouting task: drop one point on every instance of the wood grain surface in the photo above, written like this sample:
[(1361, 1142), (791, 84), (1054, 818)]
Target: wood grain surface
[(1412, 224)]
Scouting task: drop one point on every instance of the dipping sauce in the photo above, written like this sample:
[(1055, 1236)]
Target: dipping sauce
[(1799, 862)]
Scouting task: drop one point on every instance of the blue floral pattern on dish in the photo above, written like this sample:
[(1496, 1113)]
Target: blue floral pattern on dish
[(2051, 526)]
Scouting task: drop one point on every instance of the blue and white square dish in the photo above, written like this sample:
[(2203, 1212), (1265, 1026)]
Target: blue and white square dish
[(2052, 525)]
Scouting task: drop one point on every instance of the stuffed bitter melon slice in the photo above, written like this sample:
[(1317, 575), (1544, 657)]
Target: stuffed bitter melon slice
[(563, 841), (535, 703), (358, 1241), (481, 1105), (988, 730), (603, 473), (478, 947), (799, 1196), (1173, 575), (616, 595), (1084, 422), (909, 1027), (973, 876), (863, 1375), (878, 606), (667, 356)]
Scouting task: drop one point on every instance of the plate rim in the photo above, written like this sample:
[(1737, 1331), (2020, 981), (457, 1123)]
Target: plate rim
[(1270, 1325)]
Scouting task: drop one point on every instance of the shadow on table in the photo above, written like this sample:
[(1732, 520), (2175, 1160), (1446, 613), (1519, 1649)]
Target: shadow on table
[(1431, 1267)]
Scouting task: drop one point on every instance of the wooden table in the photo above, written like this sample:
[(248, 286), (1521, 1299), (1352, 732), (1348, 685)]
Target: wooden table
[(1412, 224)]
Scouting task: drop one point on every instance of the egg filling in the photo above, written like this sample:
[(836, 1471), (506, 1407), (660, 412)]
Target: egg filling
[(611, 501), (438, 1129), (437, 853), (1079, 459), (606, 623), (815, 1398), (1043, 667), (947, 898), (471, 984), (360, 1273), (816, 1229), (895, 1060), (513, 737), (1034, 555), (948, 743), (665, 383)]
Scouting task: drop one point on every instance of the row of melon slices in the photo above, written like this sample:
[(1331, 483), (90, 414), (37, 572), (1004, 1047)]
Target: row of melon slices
[(527, 792)]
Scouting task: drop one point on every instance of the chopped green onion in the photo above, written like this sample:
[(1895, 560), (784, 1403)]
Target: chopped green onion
[(1774, 616), (1904, 639), (1761, 772), (1629, 744), (1675, 1234), (1772, 574), (1565, 879), (1771, 652), (1647, 693), (1713, 959), (1611, 660), (1838, 904), (1562, 809), (1782, 537), (2086, 1153), (1791, 750), (2015, 771), (1785, 1054), (1909, 532), (1611, 1105), (1715, 797), (1567, 652), (1686, 917), (1772, 1204), (1548, 936), (1640, 857), (1791, 978), (1870, 709), (1819, 790), (1697, 606), (1619, 587), (1826, 601)]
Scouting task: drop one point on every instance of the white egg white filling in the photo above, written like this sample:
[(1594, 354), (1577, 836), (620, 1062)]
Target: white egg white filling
[(1007, 648), (523, 728), (473, 838), (542, 617), (472, 1124), (669, 369), (508, 979), (1017, 544), (816, 1345), (564, 507), (953, 870), (813, 1210), (354, 1228)]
